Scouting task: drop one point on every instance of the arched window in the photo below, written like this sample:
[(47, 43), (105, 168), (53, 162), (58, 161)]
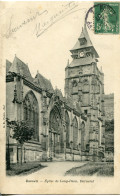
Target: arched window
[(31, 113), (55, 120), (82, 136), (75, 86), (75, 132), (85, 86), (56, 142), (67, 122)]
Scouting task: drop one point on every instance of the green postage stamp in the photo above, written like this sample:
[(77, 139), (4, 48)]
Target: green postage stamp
[(106, 17)]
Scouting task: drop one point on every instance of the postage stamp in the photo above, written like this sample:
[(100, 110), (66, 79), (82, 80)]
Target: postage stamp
[(106, 17)]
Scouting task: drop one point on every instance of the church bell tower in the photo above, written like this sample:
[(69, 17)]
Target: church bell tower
[(84, 83)]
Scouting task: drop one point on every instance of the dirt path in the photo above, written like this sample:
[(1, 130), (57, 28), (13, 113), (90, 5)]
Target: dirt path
[(56, 168)]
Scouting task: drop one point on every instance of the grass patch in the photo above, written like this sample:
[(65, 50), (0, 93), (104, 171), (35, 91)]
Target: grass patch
[(25, 168), (93, 168)]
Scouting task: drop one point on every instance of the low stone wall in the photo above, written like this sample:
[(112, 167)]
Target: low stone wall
[(29, 153), (69, 157), (77, 157)]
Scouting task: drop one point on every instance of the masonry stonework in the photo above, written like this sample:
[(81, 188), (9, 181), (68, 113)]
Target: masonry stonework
[(66, 128)]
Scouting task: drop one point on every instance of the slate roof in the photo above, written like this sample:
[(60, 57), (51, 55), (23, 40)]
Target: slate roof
[(82, 61), (43, 83), (88, 43), (76, 106), (69, 101), (21, 68), (59, 93)]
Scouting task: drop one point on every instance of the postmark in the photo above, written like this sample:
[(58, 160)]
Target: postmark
[(103, 18)]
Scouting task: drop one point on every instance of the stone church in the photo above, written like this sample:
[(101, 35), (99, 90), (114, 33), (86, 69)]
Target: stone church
[(69, 127)]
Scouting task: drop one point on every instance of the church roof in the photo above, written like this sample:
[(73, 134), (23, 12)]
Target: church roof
[(78, 108), (71, 104), (21, 68), (58, 92), (43, 83), (69, 101), (88, 43), (83, 61)]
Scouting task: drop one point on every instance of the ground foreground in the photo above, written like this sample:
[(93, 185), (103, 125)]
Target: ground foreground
[(71, 168), (93, 168), (57, 168), (25, 168)]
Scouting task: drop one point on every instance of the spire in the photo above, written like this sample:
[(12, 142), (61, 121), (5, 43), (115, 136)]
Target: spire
[(84, 35), (37, 71), (84, 29), (84, 42)]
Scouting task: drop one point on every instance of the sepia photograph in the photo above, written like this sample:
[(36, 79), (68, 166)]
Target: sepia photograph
[(60, 79)]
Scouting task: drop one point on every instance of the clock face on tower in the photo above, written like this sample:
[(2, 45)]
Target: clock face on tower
[(82, 54)]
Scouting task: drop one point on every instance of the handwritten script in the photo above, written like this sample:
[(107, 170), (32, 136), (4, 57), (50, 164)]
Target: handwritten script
[(14, 29), (41, 27), (66, 10)]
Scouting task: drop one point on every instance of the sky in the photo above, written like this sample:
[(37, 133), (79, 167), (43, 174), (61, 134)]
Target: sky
[(48, 49)]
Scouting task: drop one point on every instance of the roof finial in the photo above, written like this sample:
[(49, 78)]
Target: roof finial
[(37, 71)]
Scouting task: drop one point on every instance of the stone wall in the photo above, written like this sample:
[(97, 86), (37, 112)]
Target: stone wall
[(109, 106)]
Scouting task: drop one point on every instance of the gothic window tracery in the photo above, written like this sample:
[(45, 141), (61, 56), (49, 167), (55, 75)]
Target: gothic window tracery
[(31, 112), (75, 132), (55, 130), (55, 120), (67, 122), (82, 136)]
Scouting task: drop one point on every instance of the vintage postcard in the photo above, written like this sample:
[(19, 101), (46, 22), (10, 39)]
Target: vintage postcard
[(60, 97)]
